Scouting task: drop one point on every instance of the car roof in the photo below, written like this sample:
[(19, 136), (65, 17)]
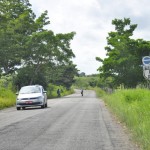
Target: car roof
[(33, 86)]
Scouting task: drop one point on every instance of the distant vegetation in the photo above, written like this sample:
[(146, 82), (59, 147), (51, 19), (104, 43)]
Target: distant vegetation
[(93, 81), (86, 82)]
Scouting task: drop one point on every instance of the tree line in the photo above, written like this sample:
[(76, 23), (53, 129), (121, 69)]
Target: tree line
[(30, 52), (123, 64)]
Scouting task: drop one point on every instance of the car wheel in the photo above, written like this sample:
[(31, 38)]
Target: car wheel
[(23, 108), (18, 108), (43, 106), (46, 105)]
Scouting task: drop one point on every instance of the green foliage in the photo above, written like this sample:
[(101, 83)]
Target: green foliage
[(123, 63), (92, 81), (132, 107), (86, 82), (131, 96), (52, 91), (82, 74), (28, 48), (62, 75), (15, 19), (81, 82), (7, 82), (7, 98), (26, 76), (99, 92)]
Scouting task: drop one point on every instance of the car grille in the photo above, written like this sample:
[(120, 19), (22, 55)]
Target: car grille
[(34, 103), (34, 98)]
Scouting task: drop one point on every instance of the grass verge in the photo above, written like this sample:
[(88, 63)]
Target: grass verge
[(132, 106), (7, 98)]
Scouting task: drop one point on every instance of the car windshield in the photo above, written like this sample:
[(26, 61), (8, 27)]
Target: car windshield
[(29, 90)]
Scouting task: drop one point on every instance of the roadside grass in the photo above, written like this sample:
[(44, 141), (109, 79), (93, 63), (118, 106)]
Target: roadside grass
[(7, 98), (132, 106)]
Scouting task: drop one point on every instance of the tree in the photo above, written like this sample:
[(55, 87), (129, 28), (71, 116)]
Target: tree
[(27, 46), (62, 75), (25, 75), (16, 20), (123, 62), (48, 50)]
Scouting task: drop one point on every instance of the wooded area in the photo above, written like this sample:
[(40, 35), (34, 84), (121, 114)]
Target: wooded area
[(30, 52)]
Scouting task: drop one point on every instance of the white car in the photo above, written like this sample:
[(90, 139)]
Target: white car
[(32, 95)]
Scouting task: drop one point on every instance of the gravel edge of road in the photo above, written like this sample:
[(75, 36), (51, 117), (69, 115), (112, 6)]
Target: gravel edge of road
[(125, 129)]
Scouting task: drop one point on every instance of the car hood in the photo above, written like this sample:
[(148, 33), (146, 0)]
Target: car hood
[(29, 95)]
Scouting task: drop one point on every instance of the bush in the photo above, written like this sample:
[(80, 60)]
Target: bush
[(99, 91), (7, 98), (52, 91)]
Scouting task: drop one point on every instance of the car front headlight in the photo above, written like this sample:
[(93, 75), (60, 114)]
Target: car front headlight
[(40, 98), (18, 99)]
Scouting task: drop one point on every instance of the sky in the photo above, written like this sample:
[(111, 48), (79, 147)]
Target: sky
[(92, 21)]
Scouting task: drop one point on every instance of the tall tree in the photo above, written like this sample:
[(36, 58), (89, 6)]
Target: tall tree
[(26, 44), (123, 55), (16, 19)]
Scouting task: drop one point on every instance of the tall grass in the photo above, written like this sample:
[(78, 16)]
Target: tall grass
[(7, 98), (99, 91), (132, 106)]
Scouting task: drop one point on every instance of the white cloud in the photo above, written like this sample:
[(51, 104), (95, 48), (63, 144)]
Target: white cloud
[(91, 20)]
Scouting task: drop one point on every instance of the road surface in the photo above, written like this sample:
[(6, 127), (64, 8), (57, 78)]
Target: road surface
[(69, 123)]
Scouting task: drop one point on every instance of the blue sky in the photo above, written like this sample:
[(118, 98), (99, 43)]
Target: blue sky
[(91, 20)]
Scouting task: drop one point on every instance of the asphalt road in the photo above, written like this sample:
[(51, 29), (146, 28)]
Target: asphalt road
[(70, 123)]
